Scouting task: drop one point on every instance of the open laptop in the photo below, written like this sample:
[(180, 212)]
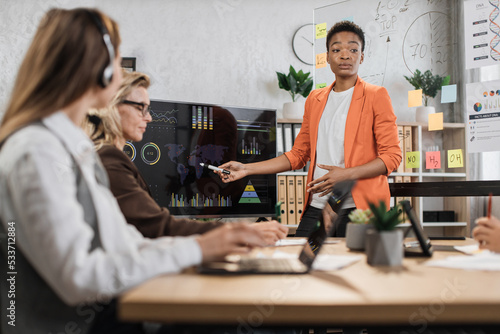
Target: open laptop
[(300, 265)]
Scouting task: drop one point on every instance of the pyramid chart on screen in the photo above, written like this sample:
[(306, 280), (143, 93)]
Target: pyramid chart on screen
[(249, 195)]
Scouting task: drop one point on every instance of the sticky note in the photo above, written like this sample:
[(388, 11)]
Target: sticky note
[(414, 98), (349, 18), (436, 121), (321, 60), (320, 30), (433, 160), (455, 158), (449, 94), (413, 159), (320, 85)]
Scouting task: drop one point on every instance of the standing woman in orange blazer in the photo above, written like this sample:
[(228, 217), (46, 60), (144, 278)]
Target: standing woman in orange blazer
[(348, 132)]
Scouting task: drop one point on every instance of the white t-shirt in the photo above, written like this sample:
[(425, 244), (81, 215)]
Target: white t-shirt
[(330, 145)]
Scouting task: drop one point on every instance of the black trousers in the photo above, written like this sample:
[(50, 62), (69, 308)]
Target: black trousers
[(312, 215)]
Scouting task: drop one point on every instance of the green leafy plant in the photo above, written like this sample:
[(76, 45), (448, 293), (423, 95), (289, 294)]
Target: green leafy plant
[(359, 216), (430, 84), (296, 83), (384, 220)]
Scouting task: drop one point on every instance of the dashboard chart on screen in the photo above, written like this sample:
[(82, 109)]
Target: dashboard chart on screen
[(182, 135)]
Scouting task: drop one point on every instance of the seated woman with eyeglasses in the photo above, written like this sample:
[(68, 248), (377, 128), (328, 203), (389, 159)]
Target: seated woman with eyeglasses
[(126, 119)]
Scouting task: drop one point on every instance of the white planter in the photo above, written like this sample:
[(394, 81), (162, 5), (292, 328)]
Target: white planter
[(293, 110), (384, 248), (355, 235), (422, 113)]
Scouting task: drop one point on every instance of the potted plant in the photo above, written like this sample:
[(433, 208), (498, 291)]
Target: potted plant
[(356, 229), (296, 84), (430, 86), (384, 243)]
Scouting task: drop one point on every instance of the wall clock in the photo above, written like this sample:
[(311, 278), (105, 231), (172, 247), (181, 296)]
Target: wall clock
[(303, 44)]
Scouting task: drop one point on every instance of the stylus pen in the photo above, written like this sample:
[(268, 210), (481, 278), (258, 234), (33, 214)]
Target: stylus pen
[(489, 206), (215, 168)]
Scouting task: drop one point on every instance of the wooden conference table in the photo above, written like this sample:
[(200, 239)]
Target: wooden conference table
[(359, 294)]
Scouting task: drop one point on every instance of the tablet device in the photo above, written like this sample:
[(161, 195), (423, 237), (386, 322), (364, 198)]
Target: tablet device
[(423, 246)]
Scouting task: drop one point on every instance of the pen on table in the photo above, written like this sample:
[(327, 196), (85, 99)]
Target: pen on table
[(215, 168), (489, 206)]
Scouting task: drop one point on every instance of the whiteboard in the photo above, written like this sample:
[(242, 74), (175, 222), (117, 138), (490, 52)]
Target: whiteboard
[(401, 36)]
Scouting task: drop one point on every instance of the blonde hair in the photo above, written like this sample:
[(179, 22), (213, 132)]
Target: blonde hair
[(109, 129), (65, 59)]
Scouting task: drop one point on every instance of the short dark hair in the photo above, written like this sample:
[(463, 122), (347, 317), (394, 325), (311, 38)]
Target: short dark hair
[(346, 26)]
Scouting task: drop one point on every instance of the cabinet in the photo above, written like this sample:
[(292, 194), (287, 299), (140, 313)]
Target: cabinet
[(452, 137)]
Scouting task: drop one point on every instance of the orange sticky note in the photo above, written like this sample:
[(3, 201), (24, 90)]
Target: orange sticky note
[(413, 159), (414, 98), (436, 121), (433, 160), (321, 60), (455, 158)]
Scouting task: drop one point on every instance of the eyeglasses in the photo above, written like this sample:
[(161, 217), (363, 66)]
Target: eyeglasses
[(145, 109)]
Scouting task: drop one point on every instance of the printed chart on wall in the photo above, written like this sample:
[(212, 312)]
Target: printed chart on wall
[(401, 36), (483, 116), (482, 33)]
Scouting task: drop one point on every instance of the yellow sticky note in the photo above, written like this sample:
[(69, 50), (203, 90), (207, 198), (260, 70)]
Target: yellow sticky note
[(436, 121), (413, 159), (321, 60), (455, 158), (320, 30), (414, 98)]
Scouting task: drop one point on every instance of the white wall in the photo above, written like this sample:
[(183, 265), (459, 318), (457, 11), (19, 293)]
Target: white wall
[(213, 51)]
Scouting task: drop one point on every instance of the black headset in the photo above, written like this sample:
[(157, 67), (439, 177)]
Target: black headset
[(107, 73)]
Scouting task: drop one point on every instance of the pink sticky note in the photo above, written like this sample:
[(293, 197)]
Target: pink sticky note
[(433, 160)]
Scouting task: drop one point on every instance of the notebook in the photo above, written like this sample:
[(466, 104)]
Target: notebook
[(300, 265)]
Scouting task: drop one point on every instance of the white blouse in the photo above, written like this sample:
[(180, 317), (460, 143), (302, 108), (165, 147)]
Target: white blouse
[(38, 188)]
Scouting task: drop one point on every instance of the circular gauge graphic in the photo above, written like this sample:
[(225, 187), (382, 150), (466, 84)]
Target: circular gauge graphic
[(485, 94), (478, 107), (498, 92), (492, 93), (129, 150), (150, 153)]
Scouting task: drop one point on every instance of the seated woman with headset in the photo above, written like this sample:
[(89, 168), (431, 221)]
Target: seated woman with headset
[(75, 251)]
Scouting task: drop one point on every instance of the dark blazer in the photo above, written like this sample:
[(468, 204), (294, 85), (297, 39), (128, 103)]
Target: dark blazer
[(136, 202)]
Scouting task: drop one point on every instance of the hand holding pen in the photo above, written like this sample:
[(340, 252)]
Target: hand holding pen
[(217, 169), (487, 231), (236, 171)]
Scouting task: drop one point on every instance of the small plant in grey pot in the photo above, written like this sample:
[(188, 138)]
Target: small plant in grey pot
[(384, 243), (356, 229)]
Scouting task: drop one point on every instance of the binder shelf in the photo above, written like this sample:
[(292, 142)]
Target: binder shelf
[(434, 157)]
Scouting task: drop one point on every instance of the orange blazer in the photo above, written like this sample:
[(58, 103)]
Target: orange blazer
[(370, 132)]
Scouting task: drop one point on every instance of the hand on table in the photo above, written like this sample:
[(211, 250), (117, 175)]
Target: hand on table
[(273, 231)]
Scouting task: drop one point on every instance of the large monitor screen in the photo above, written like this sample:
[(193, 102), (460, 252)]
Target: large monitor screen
[(182, 135)]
